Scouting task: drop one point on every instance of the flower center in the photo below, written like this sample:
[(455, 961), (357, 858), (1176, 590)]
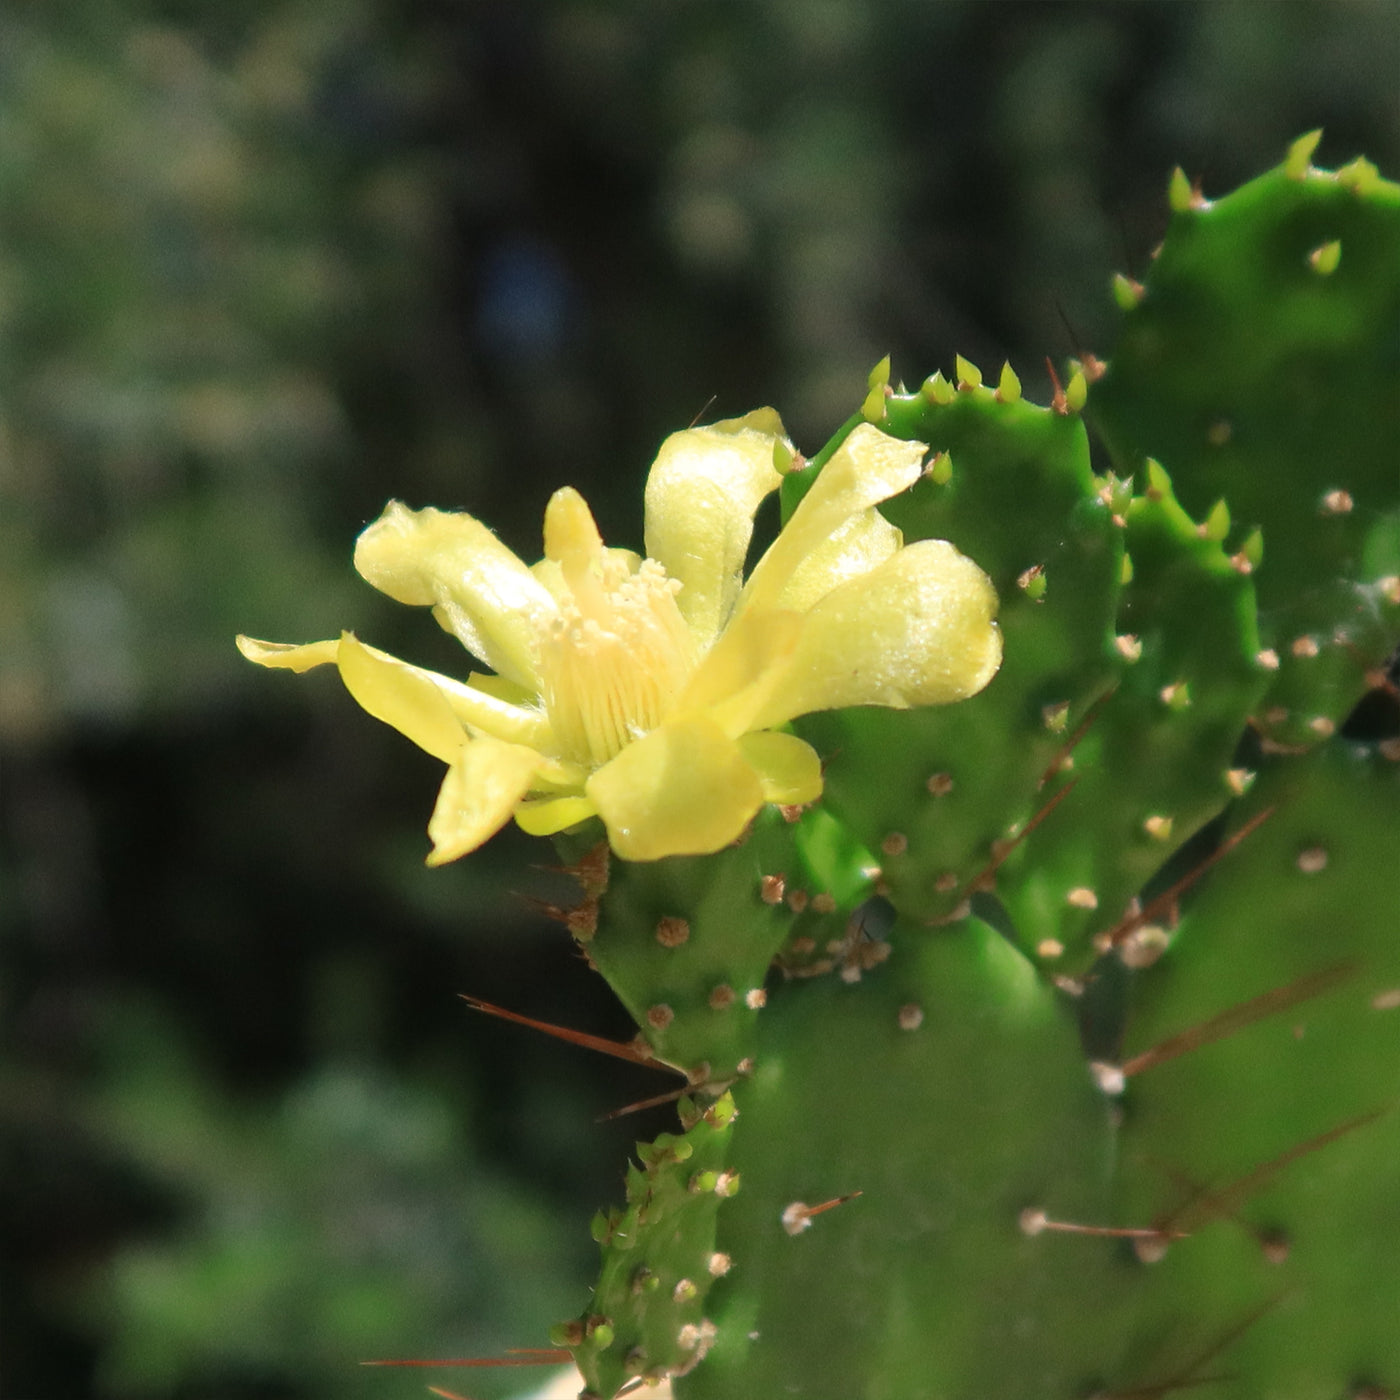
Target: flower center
[(618, 653)]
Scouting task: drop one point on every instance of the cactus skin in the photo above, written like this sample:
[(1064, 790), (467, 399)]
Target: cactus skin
[(1313, 894), (1264, 374), (1028, 1030)]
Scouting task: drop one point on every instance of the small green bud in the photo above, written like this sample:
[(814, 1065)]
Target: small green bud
[(1359, 176), (938, 390), (878, 380), (1009, 385), (1033, 582), (1180, 195), (1159, 484), (566, 1334), (1126, 292), (1325, 258), (721, 1113), (1176, 696), (1216, 525), (1299, 157)]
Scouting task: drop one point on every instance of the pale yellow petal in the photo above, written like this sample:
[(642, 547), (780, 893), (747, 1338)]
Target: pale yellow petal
[(702, 493), (477, 708), (478, 795), (787, 767), (402, 696), (684, 789), (478, 589), (545, 816), (499, 688), (918, 630), (735, 680), (289, 656), (863, 542), (868, 467), (571, 535)]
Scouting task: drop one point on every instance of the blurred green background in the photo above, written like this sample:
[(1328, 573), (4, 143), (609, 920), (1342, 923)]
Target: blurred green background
[(265, 264)]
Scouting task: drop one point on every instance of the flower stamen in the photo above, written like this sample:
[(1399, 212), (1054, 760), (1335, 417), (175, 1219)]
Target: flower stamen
[(618, 653)]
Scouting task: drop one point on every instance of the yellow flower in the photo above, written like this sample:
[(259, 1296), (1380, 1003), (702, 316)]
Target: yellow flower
[(649, 692)]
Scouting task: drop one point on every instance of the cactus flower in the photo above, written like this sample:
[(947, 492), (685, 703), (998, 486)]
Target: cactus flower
[(650, 692)]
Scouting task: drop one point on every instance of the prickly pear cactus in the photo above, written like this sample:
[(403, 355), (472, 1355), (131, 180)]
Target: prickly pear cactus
[(1045, 1040)]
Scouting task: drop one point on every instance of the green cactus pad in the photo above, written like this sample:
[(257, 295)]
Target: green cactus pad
[(938, 793), (1260, 363), (647, 1317), (948, 1088), (686, 942), (1275, 1146), (1154, 765)]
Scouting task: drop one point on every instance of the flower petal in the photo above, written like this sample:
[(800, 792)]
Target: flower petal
[(477, 709), (289, 656), (478, 589), (917, 630), (550, 814), (481, 706), (702, 493), (571, 537), (684, 789), (856, 547), (482, 787), (403, 696), (867, 468), (736, 678), (787, 767)]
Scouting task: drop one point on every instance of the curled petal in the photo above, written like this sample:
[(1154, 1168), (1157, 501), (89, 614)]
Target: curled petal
[(388, 687), (482, 788), (478, 589), (402, 696), (863, 542), (787, 767), (289, 656), (684, 789), (868, 467), (917, 630), (704, 488)]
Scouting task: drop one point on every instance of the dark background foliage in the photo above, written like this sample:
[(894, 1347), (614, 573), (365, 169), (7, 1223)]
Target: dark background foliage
[(264, 265)]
